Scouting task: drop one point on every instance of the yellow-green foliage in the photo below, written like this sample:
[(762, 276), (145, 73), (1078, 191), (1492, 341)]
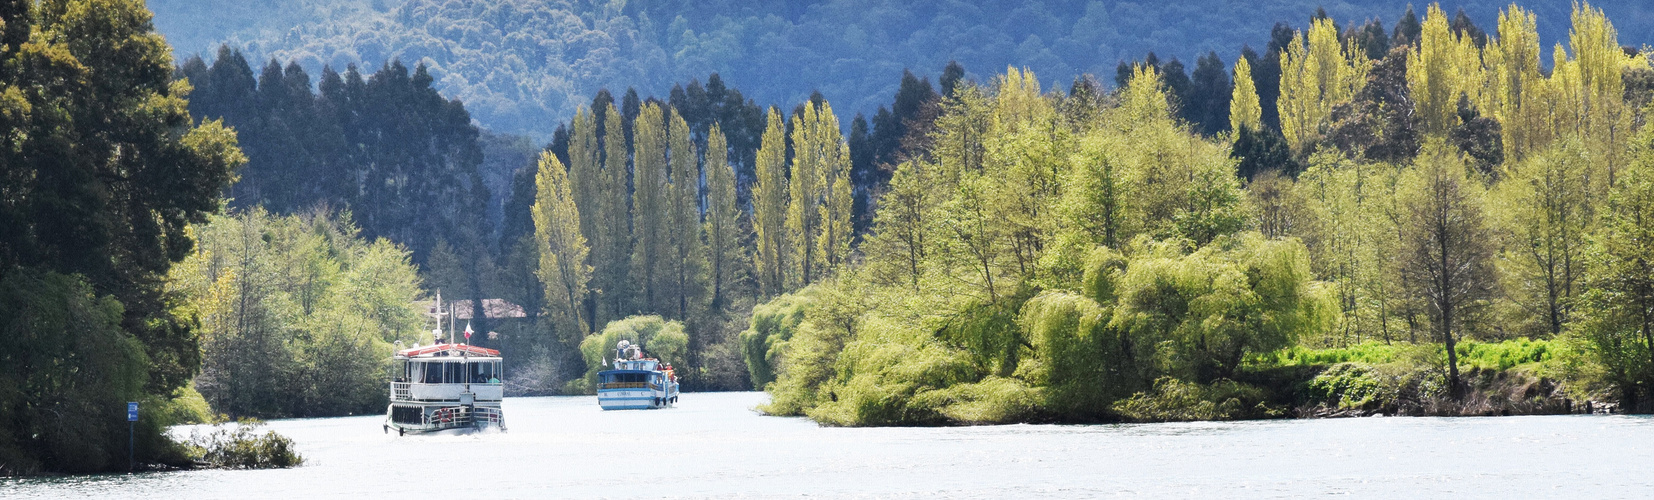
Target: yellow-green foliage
[(993, 400), (660, 339), (1237, 296), (297, 313), (773, 324), (186, 406), (238, 445), (1174, 400), (883, 372)]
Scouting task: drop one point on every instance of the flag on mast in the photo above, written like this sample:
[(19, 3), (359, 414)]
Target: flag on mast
[(468, 331)]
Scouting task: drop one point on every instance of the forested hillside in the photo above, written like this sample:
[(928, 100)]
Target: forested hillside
[(522, 66)]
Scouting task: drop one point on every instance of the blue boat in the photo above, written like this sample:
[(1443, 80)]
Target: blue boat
[(636, 382)]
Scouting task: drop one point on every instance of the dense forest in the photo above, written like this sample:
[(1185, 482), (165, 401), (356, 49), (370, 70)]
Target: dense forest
[(522, 66), (1428, 216), (1444, 227), (102, 175)]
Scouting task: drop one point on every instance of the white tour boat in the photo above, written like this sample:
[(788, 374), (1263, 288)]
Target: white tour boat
[(445, 386), (636, 382)]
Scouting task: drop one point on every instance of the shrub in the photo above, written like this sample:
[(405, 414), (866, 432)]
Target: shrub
[(659, 338), (1173, 400), (240, 446), (773, 324)]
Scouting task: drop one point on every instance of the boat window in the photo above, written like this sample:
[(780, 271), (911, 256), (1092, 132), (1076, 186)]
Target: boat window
[(481, 372), (432, 372), (453, 373)]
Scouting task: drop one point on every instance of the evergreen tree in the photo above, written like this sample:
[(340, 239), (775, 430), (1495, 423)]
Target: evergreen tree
[(1407, 29), (952, 76), (1266, 73), (1370, 38), (1209, 95)]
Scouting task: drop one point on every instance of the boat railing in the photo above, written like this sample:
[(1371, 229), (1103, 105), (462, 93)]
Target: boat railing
[(623, 385), (401, 391)]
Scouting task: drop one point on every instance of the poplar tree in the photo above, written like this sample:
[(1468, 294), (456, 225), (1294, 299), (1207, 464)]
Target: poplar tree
[(769, 207), (563, 252), (685, 252), (650, 212), (1603, 119), (722, 226), (1244, 111), (1442, 68), (587, 184), (805, 190), (1513, 77), (614, 264), (1316, 74), (837, 202)]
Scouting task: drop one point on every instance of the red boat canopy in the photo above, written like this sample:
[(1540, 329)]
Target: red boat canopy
[(455, 348)]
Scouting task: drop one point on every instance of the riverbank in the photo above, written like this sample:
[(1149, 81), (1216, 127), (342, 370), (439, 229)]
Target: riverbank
[(714, 445), (1513, 377)]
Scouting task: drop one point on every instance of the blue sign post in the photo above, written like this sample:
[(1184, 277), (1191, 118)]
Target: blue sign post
[(131, 422)]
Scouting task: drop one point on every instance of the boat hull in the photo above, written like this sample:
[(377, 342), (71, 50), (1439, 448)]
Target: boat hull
[(413, 416), (635, 399)]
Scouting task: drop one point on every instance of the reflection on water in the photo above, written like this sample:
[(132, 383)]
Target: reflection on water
[(714, 445)]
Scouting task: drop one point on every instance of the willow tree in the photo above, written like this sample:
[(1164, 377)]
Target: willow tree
[(1244, 111), (769, 207), (563, 269), (722, 226)]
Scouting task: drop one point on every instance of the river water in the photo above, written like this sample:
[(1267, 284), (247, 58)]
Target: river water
[(714, 445)]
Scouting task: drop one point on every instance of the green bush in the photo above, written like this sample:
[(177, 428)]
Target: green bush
[(1501, 356), (1354, 386), (239, 446), (70, 370), (773, 324), (659, 338), (1173, 400), (994, 400)]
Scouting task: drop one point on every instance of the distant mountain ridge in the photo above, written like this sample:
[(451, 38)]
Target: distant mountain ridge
[(523, 66)]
